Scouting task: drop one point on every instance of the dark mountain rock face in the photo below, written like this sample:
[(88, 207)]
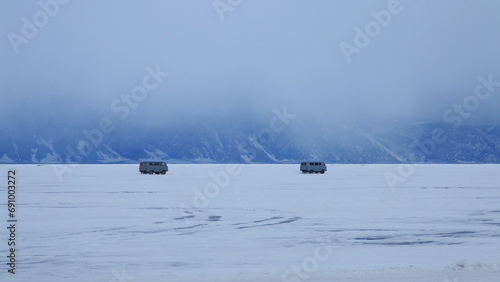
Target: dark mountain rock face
[(251, 142)]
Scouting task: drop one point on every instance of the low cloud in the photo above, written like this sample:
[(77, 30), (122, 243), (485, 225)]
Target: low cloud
[(261, 56)]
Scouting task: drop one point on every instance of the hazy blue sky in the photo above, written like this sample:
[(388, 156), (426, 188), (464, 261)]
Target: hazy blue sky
[(255, 56)]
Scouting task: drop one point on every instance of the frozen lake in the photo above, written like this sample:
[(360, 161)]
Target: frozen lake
[(254, 223)]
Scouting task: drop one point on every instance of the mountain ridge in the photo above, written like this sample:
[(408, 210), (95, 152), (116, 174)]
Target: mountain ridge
[(252, 142)]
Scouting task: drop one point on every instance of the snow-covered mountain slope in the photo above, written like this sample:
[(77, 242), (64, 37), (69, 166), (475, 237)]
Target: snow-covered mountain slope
[(252, 142)]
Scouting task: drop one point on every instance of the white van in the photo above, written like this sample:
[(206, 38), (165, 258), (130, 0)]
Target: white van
[(153, 167), (313, 167)]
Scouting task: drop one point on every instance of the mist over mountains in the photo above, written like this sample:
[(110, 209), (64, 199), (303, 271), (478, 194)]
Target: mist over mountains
[(179, 81), (250, 141)]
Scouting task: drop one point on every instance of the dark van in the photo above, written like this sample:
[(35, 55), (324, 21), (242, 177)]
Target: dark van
[(153, 167), (313, 167)]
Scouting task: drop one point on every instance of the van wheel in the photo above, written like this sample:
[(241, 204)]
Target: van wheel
[(151, 172), (311, 171), (322, 172), (163, 172), (304, 171)]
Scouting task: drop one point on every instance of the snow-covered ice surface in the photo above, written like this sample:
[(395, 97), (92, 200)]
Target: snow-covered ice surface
[(254, 223)]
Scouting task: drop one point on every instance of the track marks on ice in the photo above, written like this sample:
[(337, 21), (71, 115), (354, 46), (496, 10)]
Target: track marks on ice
[(290, 220)]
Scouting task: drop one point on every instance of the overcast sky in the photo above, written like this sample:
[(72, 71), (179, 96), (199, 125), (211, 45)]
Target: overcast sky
[(248, 58)]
